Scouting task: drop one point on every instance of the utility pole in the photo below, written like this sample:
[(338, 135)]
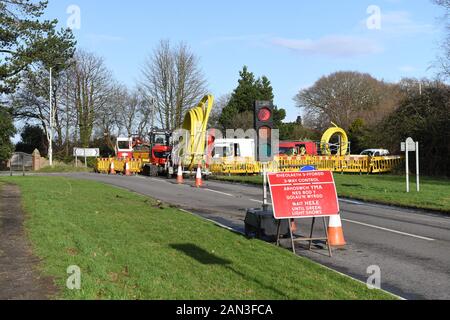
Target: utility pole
[(50, 142)]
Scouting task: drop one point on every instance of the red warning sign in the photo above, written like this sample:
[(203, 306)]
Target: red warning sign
[(303, 194)]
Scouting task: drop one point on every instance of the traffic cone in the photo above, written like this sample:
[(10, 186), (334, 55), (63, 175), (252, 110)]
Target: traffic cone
[(127, 168), (198, 178), (335, 232), (180, 175), (112, 170)]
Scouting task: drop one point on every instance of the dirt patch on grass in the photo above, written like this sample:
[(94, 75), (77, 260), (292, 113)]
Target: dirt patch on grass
[(19, 278)]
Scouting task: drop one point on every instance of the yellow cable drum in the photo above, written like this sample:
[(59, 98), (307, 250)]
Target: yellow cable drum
[(342, 148), (196, 122)]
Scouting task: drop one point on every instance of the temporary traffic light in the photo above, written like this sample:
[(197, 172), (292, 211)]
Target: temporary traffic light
[(264, 127)]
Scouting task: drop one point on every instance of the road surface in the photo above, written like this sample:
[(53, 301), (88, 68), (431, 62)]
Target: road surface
[(412, 248)]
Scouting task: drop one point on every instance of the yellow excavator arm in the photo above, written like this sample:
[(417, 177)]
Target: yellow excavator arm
[(196, 123)]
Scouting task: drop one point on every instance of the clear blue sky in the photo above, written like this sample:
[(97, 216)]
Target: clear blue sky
[(292, 42)]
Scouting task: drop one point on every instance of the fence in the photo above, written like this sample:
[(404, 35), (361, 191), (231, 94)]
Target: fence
[(354, 164), (21, 162)]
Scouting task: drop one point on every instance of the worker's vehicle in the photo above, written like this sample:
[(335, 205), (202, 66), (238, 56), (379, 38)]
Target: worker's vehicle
[(375, 153), (124, 148), (159, 150), (230, 149), (297, 148)]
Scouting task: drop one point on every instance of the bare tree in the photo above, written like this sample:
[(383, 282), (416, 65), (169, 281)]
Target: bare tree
[(31, 103), (172, 76), (219, 105), (343, 97), (443, 60), (91, 82)]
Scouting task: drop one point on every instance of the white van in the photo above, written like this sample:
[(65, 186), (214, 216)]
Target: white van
[(233, 148)]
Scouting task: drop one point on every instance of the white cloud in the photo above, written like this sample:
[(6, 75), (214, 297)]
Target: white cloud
[(239, 38), (334, 46)]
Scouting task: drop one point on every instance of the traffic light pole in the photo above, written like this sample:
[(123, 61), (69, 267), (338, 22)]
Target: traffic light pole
[(265, 205)]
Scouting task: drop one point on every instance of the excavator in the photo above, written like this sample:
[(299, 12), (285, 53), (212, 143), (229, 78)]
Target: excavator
[(165, 151)]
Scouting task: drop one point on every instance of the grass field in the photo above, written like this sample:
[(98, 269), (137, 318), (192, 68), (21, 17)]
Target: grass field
[(131, 247), (386, 189), (61, 168)]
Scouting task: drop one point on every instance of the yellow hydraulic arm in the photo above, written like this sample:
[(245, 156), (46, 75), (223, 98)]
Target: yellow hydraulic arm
[(196, 122)]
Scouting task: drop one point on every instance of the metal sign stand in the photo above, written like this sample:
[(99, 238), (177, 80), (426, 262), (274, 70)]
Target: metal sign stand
[(411, 146), (302, 239)]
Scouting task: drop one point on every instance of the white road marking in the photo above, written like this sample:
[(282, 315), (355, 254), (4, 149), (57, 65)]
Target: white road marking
[(259, 201), (389, 230), (223, 193), (351, 201)]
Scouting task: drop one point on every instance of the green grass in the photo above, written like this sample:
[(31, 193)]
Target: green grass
[(385, 189), (62, 168), (128, 247)]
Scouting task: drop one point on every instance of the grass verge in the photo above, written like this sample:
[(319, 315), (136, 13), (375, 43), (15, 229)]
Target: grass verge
[(62, 168), (131, 247), (385, 189)]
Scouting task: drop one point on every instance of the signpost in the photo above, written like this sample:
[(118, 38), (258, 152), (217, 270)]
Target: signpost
[(410, 146), (310, 194), (86, 153)]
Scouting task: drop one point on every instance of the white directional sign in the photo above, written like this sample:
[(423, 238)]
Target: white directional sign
[(86, 152), (411, 146)]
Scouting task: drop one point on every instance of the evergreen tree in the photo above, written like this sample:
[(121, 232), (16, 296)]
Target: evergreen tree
[(25, 39), (7, 131), (242, 101)]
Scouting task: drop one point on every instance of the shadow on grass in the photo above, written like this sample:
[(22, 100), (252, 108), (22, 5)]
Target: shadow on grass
[(200, 254), (206, 258)]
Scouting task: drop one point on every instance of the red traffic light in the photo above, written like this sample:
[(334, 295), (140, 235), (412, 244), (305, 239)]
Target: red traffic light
[(264, 114)]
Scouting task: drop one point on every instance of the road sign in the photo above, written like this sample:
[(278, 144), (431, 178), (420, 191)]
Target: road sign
[(86, 152), (410, 144), (303, 194)]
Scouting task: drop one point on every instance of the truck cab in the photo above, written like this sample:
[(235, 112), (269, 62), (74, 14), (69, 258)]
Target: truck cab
[(124, 148), (297, 148)]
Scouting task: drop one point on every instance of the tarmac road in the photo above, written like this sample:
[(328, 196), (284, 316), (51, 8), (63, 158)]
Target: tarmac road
[(412, 248)]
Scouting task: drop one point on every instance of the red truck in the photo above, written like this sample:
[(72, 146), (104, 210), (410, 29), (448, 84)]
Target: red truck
[(298, 148)]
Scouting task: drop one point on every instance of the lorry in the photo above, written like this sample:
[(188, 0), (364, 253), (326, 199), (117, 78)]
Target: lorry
[(298, 148)]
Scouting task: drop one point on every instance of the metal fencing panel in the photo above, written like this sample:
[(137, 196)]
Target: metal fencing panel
[(21, 162)]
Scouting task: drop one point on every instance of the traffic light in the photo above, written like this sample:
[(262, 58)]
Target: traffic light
[(264, 126)]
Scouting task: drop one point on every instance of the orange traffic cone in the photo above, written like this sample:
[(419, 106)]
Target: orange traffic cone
[(335, 232), (198, 178), (127, 168), (112, 170), (180, 175)]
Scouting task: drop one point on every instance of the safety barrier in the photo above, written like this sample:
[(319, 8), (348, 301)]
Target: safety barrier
[(135, 166), (354, 164), (103, 165)]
